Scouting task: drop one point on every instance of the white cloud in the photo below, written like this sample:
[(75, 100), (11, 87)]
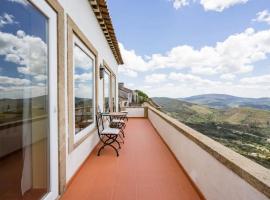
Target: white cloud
[(128, 72), (185, 90), (183, 85), (23, 2), (40, 77), (263, 16), (19, 92), (209, 5), (234, 55), (82, 60), (130, 85), (263, 80), (83, 91), (220, 5), (6, 19), (180, 3), (28, 51), (189, 79), (84, 77), (133, 63), (155, 78), (5, 80), (227, 77)]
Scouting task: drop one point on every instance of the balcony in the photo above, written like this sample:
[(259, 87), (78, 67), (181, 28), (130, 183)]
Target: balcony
[(164, 159), (145, 169)]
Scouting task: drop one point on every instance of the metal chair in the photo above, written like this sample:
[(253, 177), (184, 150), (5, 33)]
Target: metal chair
[(119, 122), (108, 136)]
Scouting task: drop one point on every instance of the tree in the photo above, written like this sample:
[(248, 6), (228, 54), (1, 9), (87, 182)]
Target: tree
[(142, 96)]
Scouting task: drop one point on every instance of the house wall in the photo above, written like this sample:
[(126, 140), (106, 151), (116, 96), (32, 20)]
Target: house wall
[(82, 14)]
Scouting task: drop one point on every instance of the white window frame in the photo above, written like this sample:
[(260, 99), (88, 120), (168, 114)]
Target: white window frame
[(78, 136), (47, 11), (108, 72)]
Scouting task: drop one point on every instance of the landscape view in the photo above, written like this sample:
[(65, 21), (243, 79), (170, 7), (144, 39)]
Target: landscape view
[(207, 63), (242, 124)]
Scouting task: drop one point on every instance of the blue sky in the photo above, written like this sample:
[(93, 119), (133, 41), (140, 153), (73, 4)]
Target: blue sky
[(23, 50), (163, 43), (25, 18)]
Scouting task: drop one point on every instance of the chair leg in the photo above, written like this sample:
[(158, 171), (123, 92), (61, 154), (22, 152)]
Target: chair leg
[(122, 139), (119, 146), (100, 150), (123, 133), (107, 143)]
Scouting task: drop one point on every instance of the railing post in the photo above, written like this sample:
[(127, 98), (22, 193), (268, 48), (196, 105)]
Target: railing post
[(145, 111)]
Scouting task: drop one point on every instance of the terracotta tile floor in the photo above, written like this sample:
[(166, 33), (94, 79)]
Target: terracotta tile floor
[(145, 169)]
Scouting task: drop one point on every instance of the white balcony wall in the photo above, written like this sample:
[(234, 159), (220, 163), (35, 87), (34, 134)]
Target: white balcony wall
[(213, 179), (135, 111)]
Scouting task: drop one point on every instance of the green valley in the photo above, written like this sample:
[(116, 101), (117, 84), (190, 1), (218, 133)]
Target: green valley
[(243, 129)]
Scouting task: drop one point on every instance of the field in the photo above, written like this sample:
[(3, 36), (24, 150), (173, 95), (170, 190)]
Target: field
[(246, 130)]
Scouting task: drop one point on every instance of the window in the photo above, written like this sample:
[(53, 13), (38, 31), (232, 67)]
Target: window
[(113, 93), (28, 100), (107, 90), (83, 89)]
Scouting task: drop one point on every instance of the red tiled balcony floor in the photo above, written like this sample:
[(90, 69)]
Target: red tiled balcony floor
[(145, 169)]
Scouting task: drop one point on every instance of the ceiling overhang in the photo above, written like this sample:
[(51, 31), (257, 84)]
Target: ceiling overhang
[(101, 11)]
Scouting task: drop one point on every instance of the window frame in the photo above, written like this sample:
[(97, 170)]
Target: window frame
[(114, 88), (78, 136), (53, 12), (111, 75), (107, 71), (74, 140)]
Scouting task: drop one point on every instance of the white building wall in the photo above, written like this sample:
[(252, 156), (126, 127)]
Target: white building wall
[(82, 14)]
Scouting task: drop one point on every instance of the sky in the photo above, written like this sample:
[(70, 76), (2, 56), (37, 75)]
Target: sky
[(180, 48), (23, 54), (23, 50)]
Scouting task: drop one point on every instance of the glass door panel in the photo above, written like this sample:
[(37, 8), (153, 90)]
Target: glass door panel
[(24, 102)]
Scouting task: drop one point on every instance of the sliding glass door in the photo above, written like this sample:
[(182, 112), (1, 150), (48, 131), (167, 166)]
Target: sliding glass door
[(28, 100)]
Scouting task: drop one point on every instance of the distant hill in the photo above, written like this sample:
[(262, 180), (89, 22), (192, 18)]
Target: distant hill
[(246, 130), (196, 113), (183, 111), (222, 101), (16, 105)]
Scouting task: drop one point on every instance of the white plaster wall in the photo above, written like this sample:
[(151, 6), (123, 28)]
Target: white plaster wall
[(82, 14), (135, 112), (214, 180), (80, 154)]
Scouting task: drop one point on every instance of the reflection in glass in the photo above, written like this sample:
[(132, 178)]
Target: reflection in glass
[(114, 93), (107, 91), (83, 89), (24, 132)]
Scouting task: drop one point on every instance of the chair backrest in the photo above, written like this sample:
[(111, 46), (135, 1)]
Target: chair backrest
[(100, 125)]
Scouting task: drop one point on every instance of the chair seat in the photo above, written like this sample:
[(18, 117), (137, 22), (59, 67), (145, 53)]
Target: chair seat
[(110, 131), (118, 121)]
